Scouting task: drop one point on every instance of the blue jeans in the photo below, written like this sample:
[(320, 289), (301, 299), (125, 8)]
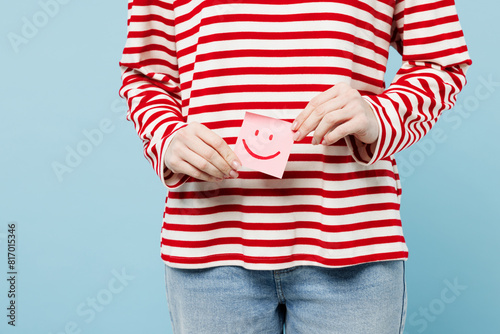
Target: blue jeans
[(366, 299)]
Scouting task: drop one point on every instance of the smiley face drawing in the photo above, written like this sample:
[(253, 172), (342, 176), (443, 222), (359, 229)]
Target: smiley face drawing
[(264, 144), (255, 155)]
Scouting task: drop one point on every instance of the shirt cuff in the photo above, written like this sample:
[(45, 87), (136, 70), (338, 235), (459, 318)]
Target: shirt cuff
[(366, 154), (170, 179)]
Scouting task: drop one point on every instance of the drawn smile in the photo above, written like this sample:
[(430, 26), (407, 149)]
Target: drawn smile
[(256, 156)]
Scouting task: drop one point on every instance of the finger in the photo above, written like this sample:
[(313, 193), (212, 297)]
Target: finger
[(201, 163), (229, 160), (339, 132), (318, 114), (207, 157), (192, 171), (329, 122), (181, 157), (313, 104), (318, 100), (198, 138)]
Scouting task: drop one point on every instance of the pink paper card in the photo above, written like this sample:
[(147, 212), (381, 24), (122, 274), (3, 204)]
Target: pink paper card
[(264, 144)]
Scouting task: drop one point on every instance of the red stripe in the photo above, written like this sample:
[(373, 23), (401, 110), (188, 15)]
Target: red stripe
[(283, 242), (273, 192), (150, 33), (256, 53), (149, 48), (247, 106), (434, 39), (259, 226), (286, 259), (433, 23), (270, 88), (300, 17), (356, 4), (150, 62), (428, 7), (305, 70), (161, 4), (152, 18), (437, 54), (262, 209), (298, 35), (370, 173)]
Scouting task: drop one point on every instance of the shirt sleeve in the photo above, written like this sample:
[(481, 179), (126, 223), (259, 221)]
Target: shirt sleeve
[(428, 35), (150, 81)]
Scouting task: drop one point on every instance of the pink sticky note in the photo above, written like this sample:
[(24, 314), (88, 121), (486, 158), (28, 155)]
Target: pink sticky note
[(264, 144)]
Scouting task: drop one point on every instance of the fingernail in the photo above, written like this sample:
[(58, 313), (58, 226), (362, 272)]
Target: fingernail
[(218, 179), (236, 165), (296, 135), (313, 141), (323, 142), (294, 125), (233, 174)]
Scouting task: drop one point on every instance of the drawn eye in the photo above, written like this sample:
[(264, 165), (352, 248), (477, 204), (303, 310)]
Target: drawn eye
[(270, 137), (256, 132)]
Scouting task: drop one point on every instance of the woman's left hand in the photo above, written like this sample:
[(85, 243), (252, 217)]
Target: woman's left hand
[(336, 113)]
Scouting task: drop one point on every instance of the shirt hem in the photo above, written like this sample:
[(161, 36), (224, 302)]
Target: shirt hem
[(195, 263)]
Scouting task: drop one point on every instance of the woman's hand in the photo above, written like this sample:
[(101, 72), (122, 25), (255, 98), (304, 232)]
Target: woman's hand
[(335, 114), (197, 151)]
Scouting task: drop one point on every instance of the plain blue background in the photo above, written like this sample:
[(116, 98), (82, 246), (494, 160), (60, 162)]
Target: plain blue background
[(78, 231)]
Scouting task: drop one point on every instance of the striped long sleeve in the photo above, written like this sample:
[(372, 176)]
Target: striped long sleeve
[(428, 36), (151, 81), (211, 61)]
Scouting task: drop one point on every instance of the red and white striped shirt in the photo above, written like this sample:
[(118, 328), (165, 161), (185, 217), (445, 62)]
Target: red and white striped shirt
[(211, 61)]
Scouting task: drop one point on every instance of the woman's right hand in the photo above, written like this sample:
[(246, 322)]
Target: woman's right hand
[(197, 151)]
